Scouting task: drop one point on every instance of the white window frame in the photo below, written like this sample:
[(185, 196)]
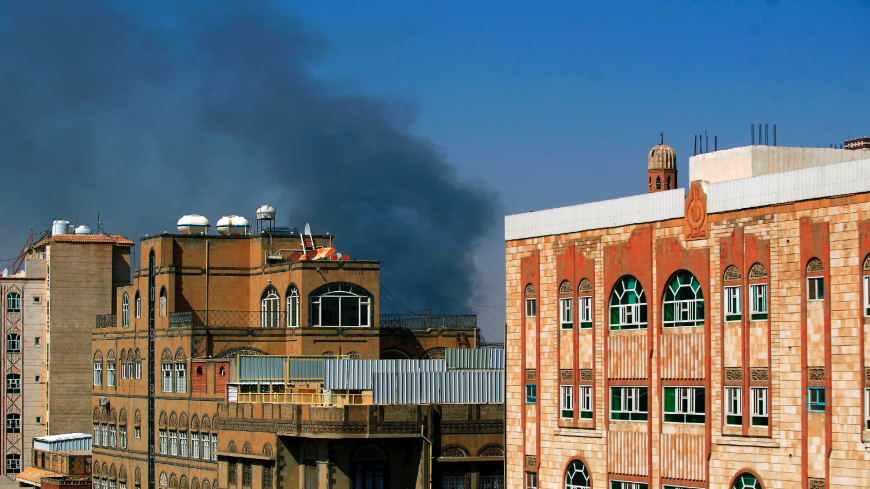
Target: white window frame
[(630, 403), (627, 485), (270, 309), (206, 446), (584, 309), (122, 430), (685, 310), (364, 305), (125, 310), (760, 403), (531, 481), (166, 368), (813, 289), (733, 403), (194, 445), (96, 439), (113, 435), (685, 404), (732, 302), (183, 443), (162, 303), (107, 442), (138, 370), (173, 442), (98, 374), (110, 374), (138, 305), (13, 302), (181, 377), (756, 292), (163, 446), (13, 463), (214, 446), (13, 343), (566, 401), (566, 317), (13, 423), (531, 307), (292, 310), (584, 399)]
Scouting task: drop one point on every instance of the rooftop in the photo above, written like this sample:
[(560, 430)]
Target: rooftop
[(86, 238)]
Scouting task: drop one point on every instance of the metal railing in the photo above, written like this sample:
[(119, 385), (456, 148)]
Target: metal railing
[(312, 399), (424, 321), (492, 482), (227, 319), (491, 344), (106, 321)]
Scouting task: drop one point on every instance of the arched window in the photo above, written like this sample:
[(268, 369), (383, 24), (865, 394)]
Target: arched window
[(815, 280), (138, 305), (110, 368), (684, 301), (658, 182), (270, 308), (566, 305), (125, 310), (163, 304), (292, 309), (531, 301), (13, 423), (758, 293), (628, 305), (577, 476), (98, 368), (342, 305), (166, 370), (746, 481), (866, 288), (13, 384), (668, 186), (13, 343), (649, 184), (369, 467), (180, 371), (13, 302)]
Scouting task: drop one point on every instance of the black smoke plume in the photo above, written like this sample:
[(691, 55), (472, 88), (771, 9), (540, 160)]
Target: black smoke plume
[(151, 111)]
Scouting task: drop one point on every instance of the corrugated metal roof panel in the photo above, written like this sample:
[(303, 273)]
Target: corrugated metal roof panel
[(305, 369), (451, 387), (850, 177), (465, 358), (261, 368), (658, 206), (68, 442), (498, 358)]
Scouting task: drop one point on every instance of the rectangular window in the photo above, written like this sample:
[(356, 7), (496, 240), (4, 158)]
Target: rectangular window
[(246, 475), (231, 472), (110, 374), (759, 406), (194, 445), (138, 370), (816, 399), (867, 409), (758, 301), (13, 463), (567, 400), (105, 430), (163, 446), (113, 435), (137, 432), (531, 308), (584, 308), (734, 406), (815, 289), (180, 377), (182, 441), (531, 393), (214, 446), (123, 434), (566, 318), (96, 440), (867, 296), (267, 476), (685, 404), (173, 443), (628, 485), (98, 373), (167, 377), (206, 447), (531, 480), (585, 399), (628, 403), (732, 303)]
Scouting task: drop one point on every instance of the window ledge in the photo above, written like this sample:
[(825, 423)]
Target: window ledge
[(580, 432), (745, 441)]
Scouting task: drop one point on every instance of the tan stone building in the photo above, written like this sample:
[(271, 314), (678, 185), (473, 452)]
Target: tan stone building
[(47, 313), (169, 409), (715, 338)]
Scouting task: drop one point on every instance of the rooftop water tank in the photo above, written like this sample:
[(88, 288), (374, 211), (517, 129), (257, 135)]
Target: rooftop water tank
[(265, 212), (59, 226), (232, 225), (193, 224), (83, 230)]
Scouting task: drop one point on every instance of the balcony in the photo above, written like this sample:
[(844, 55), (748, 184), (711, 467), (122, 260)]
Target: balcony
[(415, 322), (227, 319), (312, 399), (106, 321)]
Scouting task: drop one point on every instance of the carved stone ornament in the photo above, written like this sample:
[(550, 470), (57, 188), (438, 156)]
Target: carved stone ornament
[(757, 271), (696, 212), (531, 461), (816, 374), (567, 375), (815, 265), (816, 483), (585, 285), (353, 355), (531, 374), (328, 354), (453, 452), (759, 375), (369, 452), (491, 451), (867, 263), (585, 375), (867, 375), (565, 288), (732, 274), (436, 353), (246, 448), (733, 374), (530, 289)]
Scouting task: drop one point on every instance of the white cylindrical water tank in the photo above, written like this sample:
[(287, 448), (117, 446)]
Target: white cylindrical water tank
[(59, 226), (193, 224), (265, 211), (232, 225), (83, 229)]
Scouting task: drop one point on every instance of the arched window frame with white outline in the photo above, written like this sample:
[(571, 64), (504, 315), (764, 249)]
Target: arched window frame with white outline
[(628, 306), (125, 310), (347, 297), (759, 293), (162, 303), (577, 475), (270, 308), (13, 343), (683, 302), (292, 308), (13, 302), (138, 305)]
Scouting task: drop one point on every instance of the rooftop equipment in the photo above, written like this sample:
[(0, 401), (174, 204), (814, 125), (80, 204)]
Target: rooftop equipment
[(233, 225), (265, 218), (193, 224), (83, 230), (59, 226)]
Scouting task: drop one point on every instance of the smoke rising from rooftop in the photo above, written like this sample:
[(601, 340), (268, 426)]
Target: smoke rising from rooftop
[(158, 110)]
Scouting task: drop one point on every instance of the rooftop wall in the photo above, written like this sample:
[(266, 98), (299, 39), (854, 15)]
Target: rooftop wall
[(751, 161)]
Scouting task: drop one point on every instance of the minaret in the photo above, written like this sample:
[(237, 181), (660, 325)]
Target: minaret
[(662, 168)]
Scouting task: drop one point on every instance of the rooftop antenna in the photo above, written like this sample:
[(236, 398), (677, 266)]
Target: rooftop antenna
[(715, 143), (752, 134), (706, 142), (696, 145)]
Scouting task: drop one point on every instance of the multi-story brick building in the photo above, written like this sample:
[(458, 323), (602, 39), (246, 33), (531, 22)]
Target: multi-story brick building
[(166, 366), (717, 339), (47, 311)]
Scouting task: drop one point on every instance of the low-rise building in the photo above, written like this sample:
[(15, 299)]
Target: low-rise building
[(59, 461)]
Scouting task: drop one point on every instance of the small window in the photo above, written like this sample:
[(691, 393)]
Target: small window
[(732, 303), (36, 341), (658, 182), (867, 409), (531, 393), (759, 406), (531, 308), (13, 423), (293, 307), (584, 308), (37, 378), (181, 377), (13, 463), (816, 399), (685, 404), (167, 377), (13, 343), (531, 480), (13, 384), (98, 373), (815, 289), (138, 305), (162, 303), (125, 310), (734, 406), (628, 485), (628, 403), (267, 476), (567, 400), (13, 302), (585, 399), (231, 473), (37, 299), (39, 419), (758, 301), (246, 475), (565, 312)]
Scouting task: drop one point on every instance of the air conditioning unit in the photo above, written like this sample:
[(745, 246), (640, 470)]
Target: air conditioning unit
[(104, 401)]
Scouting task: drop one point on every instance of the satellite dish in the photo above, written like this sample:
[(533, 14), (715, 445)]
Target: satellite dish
[(307, 228)]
